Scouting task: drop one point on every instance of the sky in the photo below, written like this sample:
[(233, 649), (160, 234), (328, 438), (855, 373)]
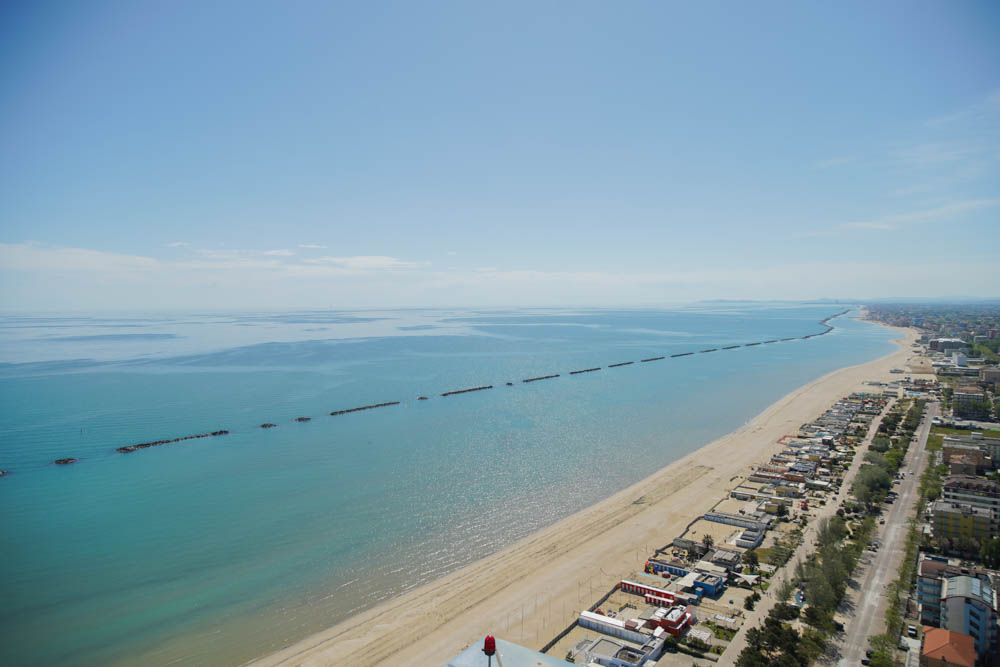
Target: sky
[(243, 154)]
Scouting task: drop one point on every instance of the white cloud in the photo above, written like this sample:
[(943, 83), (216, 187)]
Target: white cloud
[(366, 262), (311, 245), (39, 277), (936, 153), (988, 108), (935, 214), (225, 254), (452, 253), (178, 244), (36, 257), (278, 253)]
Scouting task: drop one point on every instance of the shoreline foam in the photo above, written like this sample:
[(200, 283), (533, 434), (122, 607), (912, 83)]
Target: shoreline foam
[(532, 589)]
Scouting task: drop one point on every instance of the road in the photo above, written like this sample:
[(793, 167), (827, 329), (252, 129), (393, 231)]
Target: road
[(863, 608), (808, 546)]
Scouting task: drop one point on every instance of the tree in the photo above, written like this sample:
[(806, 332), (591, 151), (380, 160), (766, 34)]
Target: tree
[(782, 510), (755, 639), (748, 603), (871, 484), (881, 659), (785, 612), (967, 546), (819, 591), (750, 657), (990, 553), (894, 457), (816, 617), (880, 443), (750, 558), (784, 592), (708, 541)]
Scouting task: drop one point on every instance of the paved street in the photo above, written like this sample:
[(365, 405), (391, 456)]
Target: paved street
[(863, 609)]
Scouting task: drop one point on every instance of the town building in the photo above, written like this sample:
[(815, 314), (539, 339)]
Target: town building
[(973, 453), (989, 374), (989, 445), (969, 606), (956, 520), (975, 491), (963, 464), (945, 344), (944, 648), (931, 573), (964, 397)]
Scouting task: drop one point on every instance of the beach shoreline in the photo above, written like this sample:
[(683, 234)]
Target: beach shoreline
[(529, 591)]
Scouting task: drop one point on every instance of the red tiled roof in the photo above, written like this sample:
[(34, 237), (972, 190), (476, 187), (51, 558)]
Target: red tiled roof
[(951, 647)]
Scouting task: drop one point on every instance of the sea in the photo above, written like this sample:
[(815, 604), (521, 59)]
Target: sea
[(216, 550)]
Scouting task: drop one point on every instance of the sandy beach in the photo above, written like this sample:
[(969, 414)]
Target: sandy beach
[(528, 592)]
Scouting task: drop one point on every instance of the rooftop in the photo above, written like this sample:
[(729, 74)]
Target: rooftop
[(968, 587), (511, 654), (953, 648), (972, 483), (948, 507)]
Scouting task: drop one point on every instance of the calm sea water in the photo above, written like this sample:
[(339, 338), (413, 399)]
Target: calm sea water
[(216, 550)]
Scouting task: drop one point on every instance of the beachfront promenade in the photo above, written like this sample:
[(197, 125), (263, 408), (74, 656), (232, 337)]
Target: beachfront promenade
[(530, 591)]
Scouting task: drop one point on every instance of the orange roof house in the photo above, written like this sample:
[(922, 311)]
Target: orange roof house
[(944, 647)]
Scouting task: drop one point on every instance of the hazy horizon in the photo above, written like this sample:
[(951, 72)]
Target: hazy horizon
[(232, 155)]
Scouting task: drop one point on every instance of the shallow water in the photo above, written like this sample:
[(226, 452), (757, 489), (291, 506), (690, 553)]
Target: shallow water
[(216, 550)]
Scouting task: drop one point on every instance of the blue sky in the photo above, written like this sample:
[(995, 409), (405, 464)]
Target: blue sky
[(244, 154)]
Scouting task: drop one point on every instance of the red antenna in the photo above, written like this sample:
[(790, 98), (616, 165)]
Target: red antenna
[(489, 648)]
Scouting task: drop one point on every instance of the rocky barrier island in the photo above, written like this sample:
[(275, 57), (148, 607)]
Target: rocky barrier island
[(363, 407), (128, 449), (466, 391), (543, 377)]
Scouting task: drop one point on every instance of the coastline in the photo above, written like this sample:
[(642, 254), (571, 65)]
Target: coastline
[(532, 589)]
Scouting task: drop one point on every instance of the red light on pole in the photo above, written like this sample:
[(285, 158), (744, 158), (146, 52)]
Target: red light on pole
[(489, 645)]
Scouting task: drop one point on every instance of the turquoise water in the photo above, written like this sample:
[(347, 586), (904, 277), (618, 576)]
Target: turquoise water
[(216, 550)]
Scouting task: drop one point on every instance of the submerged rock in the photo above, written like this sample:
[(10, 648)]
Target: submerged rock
[(421, 398), (303, 419), (64, 462), (268, 425)]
